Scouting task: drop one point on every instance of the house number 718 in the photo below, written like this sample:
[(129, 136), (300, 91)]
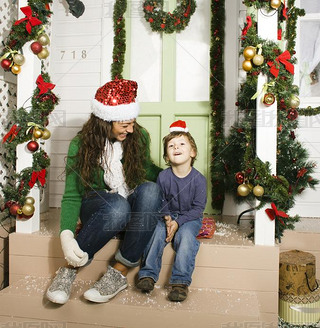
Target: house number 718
[(74, 54)]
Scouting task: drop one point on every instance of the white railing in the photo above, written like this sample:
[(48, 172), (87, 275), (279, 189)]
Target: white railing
[(25, 87), (266, 129)]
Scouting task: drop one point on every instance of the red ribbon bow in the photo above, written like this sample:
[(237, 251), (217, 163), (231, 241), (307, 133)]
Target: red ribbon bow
[(283, 58), (284, 11), (44, 86), (273, 213), (31, 20), (39, 175), (246, 28), (12, 133)]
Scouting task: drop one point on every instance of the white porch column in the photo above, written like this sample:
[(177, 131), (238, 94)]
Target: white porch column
[(26, 84), (266, 142)]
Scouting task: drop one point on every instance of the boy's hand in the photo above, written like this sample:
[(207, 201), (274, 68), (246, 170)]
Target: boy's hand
[(172, 227)]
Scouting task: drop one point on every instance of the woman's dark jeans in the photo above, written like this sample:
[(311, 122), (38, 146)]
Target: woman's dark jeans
[(105, 214)]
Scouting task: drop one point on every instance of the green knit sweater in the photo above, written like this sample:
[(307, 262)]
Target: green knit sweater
[(73, 193)]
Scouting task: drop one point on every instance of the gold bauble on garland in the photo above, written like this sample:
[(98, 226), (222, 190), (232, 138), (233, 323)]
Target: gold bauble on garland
[(16, 69), (258, 191), (249, 52), (243, 190), (258, 60), (275, 4), (43, 54), (294, 101), (37, 133), (46, 134), (246, 65), (28, 209), (29, 200), (43, 39), (19, 59)]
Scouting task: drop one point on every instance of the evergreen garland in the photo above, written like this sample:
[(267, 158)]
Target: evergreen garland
[(293, 168), (27, 121), (217, 94), (19, 35), (167, 22), (119, 40)]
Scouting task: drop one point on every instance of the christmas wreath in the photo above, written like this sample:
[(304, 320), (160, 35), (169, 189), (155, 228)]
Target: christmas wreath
[(162, 21)]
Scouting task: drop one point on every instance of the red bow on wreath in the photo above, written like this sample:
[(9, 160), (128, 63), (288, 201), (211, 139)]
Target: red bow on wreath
[(273, 213), (12, 133), (44, 86), (39, 175), (283, 58), (31, 20), (246, 28)]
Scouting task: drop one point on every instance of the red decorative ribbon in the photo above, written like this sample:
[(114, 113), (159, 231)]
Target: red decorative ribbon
[(246, 28), (44, 86), (302, 172), (31, 20), (283, 58), (12, 133), (39, 175), (284, 11), (273, 213)]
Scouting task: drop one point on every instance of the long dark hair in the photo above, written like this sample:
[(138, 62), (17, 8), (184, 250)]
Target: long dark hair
[(92, 143)]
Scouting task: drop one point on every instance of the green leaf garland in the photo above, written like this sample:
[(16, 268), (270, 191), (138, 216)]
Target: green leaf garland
[(167, 22)]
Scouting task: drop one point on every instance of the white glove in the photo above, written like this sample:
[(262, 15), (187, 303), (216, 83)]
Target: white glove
[(71, 250)]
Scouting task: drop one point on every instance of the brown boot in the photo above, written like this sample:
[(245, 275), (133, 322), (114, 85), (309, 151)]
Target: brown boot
[(178, 293), (146, 285)]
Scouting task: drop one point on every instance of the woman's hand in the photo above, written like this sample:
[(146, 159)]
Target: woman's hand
[(74, 255), (172, 227)]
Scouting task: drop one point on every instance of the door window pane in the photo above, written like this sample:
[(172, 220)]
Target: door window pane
[(309, 61)]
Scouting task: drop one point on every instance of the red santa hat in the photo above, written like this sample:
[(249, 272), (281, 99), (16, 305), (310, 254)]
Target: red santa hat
[(178, 126), (115, 101)]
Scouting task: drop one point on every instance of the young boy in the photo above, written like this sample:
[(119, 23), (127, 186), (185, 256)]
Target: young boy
[(185, 197)]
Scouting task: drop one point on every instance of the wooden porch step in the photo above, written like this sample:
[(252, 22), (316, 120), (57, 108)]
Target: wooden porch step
[(24, 301)]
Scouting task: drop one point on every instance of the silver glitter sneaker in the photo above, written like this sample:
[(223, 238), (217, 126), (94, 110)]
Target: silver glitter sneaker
[(108, 286), (60, 288)]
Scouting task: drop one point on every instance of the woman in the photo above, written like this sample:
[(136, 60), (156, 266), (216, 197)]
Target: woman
[(107, 173)]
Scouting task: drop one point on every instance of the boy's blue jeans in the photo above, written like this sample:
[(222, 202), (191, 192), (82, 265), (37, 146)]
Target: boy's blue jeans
[(185, 245), (104, 214)]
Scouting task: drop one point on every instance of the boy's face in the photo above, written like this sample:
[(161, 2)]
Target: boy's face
[(179, 151)]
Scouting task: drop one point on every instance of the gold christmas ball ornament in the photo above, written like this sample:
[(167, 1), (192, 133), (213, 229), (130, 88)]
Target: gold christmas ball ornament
[(43, 54), (258, 191), (294, 101), (43, 39), (16, 69), (258, 60), (29, 200), (19, 59), (249, 52), (46, 134), (246, 65), (28, 209), (243, 190), (268, 99), (275, 4), (37, 133)]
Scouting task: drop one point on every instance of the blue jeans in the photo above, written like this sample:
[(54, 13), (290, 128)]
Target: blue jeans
[(104, 214), (185, 245)]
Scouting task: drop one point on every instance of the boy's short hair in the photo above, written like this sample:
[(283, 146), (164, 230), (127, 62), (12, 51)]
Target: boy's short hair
[(176, 134)]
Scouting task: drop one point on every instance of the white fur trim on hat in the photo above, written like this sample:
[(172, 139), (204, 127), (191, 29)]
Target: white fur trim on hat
[(178, 129), (123, 112)]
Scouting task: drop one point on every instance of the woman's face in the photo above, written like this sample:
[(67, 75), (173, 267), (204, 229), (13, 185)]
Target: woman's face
[(121, 129)]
